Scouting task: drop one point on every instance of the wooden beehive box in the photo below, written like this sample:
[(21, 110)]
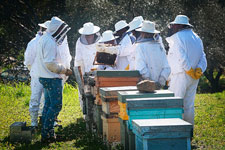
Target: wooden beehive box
[(158, 134), (123, 95), (109, 98), (114, 79), (154, 108), (111, 128)]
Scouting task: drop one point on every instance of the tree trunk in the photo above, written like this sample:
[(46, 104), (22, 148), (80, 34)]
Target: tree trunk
[(214, 82)]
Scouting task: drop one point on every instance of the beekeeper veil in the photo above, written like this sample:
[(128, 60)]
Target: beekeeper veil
[(58, 29)]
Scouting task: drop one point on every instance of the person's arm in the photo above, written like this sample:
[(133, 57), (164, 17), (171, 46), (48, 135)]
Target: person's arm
[(182, 53), (202, 62), (165, 70), (140, 64), (30, 54), (125, 46)]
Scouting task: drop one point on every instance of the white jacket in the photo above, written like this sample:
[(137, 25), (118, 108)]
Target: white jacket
[(123, 53), (47, 53), (65, 56), (186, 51), (151, 61), (85, 55), (30, 54)]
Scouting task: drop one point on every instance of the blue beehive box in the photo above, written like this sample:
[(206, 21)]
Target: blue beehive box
[(154, 108), (162, 134)]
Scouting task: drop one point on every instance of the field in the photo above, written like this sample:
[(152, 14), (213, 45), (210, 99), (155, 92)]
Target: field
[(209, 131)]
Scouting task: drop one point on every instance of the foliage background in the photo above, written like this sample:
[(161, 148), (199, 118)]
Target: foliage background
[(19, 19)]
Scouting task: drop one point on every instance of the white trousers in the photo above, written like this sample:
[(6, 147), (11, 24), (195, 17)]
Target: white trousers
[(36, 92), (184, 86)]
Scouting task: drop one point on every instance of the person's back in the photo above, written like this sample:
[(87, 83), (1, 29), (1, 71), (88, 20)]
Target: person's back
[(46, 43), (152, 56), (190, 45)]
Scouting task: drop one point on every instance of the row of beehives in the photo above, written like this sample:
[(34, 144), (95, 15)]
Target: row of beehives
[(138, 120)]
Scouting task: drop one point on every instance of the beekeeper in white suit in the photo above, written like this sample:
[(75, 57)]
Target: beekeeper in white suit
[(50, 71), (151, 58), (125, 43), (187, 61), (36, 86), (86, 50), (134, 24)]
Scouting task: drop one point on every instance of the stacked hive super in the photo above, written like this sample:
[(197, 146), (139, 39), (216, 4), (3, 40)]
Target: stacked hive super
[(110, 79), (136, 105), (110, 109)]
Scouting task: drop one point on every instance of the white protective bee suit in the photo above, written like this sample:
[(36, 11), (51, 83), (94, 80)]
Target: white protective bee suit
[(36, 86), (65, 59), (124, 52), (85, 55), (185, 52), (151, 61)]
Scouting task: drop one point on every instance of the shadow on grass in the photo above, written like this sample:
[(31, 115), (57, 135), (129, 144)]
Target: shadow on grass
[(75, 132)]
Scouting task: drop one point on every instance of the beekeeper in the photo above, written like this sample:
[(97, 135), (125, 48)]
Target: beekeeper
[(85, 51), (125, 43), (36, 86), (151, 58), (86, 47), (50, 72), (187, 60), (108, 38), (134, 24)]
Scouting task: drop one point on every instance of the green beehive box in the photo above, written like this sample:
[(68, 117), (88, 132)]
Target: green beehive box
[(115, 73), (127, 137)]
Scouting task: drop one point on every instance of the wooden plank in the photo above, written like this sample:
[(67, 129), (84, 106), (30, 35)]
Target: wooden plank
[(110, 107), (113, 73), (123, 95), (156, 102), (111, 129)]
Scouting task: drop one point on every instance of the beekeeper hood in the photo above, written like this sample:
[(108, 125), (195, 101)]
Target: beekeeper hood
[(58, 29), (89, 29), (45, 24)]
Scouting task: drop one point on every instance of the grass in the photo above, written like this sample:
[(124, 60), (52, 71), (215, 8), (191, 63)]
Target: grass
[(209, 132)]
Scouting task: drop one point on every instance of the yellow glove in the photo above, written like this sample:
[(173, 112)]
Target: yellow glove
[(191, 73), (128, 67), (198, 73)]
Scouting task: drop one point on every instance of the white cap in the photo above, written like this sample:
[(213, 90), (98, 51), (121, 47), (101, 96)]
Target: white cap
[(181, 19), (88, 29), (107, 36), (135, 23), (120, 25), (148, 27)]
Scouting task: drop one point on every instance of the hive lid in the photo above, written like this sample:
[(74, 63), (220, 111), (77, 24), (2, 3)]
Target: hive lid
[(155, 102), (112, 91), (123, 95), (148, 126)]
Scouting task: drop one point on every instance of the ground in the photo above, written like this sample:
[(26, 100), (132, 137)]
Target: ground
[(209, 131)]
